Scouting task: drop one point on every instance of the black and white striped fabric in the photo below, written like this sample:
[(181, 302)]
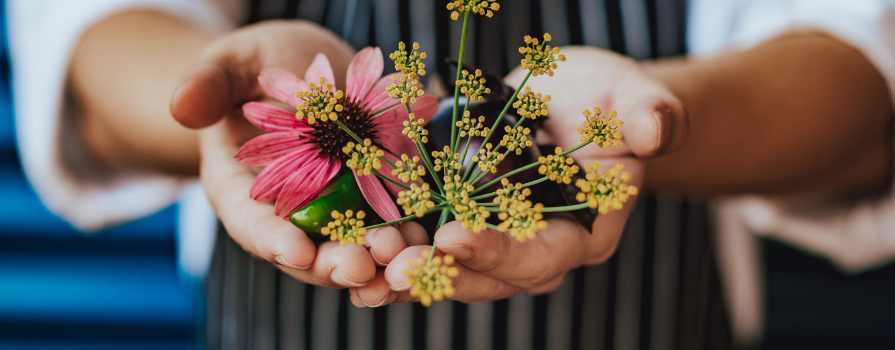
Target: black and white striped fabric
[(660, 291)]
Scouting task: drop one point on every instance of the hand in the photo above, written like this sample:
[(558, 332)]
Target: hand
[(211, 97), (493, 265)]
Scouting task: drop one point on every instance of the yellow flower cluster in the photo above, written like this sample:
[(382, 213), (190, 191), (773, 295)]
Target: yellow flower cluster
[(601, 131), (510, 194), (540, 58), (407, 169), (472, 216), (606, 191), (447, 160), (516, 139), (487, 160), (345, 228), (411, 66), (473, 86), (522, 220), (531, 105), (319, 103), (455, 190), (480, 7), (364, 157), (471, 126), (415, 200), (414, 129), (557, 167), (431, 279)]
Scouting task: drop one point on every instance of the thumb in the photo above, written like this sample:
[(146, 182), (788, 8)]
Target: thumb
[(210, 91), (656, 126)]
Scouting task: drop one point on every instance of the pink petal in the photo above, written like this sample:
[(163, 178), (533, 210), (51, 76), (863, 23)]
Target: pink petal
[(305, 184), (282, 85), (392, 140), (377, 197), (364, 70), (267, 148), (273, 119), (270, 181), (425, 108), (320, 68), (377, 98)]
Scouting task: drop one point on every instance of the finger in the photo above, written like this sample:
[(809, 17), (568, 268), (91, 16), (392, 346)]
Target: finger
[(352, 295), (342, 266), (554, 251), (655, 120), (376, 293), (336, 266), (384, 243), (254, 227), (549, 286), (215, 86), (414, 233), (250, 223), (470, 286), (607, 228)]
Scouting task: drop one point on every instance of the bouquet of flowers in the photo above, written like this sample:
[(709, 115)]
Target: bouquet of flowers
[(377, 129)]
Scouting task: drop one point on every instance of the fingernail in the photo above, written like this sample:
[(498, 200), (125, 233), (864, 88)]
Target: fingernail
[(282, 260), (459, 251), (398, 288), (337, 277), (357, 301), (672, 135), (388, 299), (373, 255)]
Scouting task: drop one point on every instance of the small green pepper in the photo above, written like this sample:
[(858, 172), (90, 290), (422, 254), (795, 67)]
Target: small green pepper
[(340, 194)]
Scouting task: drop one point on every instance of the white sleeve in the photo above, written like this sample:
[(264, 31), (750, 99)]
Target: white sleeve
[(42, 36), (855, 235)]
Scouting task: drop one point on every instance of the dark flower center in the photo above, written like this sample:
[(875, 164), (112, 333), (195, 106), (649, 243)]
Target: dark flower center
[(329, 138)]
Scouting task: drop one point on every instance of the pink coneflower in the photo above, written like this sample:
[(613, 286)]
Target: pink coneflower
[(302, 156)]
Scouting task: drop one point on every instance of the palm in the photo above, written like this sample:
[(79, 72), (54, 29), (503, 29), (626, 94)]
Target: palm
[(211, 97), (595, 78)]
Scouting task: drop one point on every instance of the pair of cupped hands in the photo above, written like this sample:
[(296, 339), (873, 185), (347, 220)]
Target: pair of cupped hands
[(493, 265)]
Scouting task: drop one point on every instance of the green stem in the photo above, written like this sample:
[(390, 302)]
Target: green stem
[(505, 109), (465, 151), (573, 149), (482, 176), (429, 166), (565, 208), (445, 213), (456, 143), (459, 69), (497, 147), (532, 165), (386, 178), (406, 218), (357, 138), (480, 197), (383, 110), (422, 149), (492, 194), (514, 172), (499, 118), (535, 182)]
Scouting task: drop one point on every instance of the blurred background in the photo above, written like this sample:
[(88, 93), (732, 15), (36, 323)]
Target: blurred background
[(62, 289), (121, 288)]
